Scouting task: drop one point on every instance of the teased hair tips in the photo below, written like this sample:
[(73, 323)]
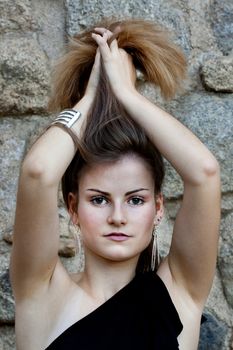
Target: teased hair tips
[(153, 53)]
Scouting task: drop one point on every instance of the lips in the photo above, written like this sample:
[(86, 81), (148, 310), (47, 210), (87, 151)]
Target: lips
[(117, 236)]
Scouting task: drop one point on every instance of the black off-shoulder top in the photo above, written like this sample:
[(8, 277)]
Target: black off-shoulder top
[(139, 316)]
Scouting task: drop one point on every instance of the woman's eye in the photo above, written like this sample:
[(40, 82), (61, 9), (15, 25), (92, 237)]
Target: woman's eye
[(136, 201), (99, 200)]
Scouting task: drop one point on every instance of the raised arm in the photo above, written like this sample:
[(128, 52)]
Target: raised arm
[(36, 229), (192, 258), (193, 252)]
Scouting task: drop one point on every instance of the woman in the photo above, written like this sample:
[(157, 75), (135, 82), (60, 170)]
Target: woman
[(112, 188)]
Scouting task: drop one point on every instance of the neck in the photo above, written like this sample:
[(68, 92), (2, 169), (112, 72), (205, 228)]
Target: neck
[(103, 278)]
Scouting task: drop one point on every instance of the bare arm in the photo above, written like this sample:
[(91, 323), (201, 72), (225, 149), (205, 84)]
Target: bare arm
[(36, 229), (193, 253)]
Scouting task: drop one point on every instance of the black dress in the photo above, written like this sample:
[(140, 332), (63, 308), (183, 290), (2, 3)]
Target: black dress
[(139, 316)]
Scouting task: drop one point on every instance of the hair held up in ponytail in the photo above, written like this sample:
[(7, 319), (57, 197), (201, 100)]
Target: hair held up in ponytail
[(154, 54)]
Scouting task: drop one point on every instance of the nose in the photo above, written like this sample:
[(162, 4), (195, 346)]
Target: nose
[(117, 215)]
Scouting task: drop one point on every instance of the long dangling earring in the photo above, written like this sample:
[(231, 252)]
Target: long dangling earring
[(76, 233), (155, 258), (78, 239)]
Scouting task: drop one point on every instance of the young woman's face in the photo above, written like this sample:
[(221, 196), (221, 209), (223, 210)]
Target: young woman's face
[(116, 208)]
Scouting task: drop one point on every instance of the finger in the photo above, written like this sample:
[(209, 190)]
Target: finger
[(103, 30), (100, 29), (114, 37), (96, 64), (95, 73), (102, 43), (111, 35), (115, 33), (100, 39), (97, 58), (113, 45)]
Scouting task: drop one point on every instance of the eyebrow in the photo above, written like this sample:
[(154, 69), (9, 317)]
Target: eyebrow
[(108, 194)]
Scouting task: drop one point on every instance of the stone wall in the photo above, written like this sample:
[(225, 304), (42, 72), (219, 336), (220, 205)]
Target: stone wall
[(32, 36)]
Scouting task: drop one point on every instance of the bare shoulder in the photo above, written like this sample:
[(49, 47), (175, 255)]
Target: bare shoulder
[(41, 317), (189, 311)]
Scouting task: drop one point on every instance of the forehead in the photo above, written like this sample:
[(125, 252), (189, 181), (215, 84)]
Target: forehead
[(128, 172)]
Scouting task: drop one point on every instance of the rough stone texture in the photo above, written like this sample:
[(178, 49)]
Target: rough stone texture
[(32, 36), (222, 23), (199, 20), (7, 338), (217, 74), (203, 43), (14, 134), (51, 35), (210, 117), (227, 203), (213, 334), (218, 307), (16, 16), (6, 298), (225, 261), (217, 304), (24, 78)]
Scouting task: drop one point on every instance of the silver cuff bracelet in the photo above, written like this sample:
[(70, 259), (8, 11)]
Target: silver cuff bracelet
[(67, 118)]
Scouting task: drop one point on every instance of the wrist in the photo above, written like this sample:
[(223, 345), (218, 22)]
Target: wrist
[(72, 120), (127, 96), (84, 105)]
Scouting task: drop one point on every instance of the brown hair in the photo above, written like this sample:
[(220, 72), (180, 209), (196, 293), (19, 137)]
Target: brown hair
[(160, 60), (110, 133)]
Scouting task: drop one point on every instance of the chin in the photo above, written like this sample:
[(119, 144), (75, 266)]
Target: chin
[(116, 253), (121, 256)]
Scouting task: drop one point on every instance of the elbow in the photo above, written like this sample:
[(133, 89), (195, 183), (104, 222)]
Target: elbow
[(210, 172), (205, 171), (32, 168), (36, 171), (211, 168)]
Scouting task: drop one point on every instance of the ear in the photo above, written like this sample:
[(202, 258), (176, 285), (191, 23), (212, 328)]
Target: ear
[(72, 207), (159, 208)]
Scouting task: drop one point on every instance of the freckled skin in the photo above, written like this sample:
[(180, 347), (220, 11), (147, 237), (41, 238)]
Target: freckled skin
[(134, 214)]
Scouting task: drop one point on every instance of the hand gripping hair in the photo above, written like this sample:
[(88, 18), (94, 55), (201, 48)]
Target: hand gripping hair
[(161, 61)]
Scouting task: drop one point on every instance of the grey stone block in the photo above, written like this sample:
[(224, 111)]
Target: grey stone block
[(225, 261), (209, 116), (222, 24), (16, 15), (213, 334), (24, 76), (7, 314), (7, 338), (217, 74)]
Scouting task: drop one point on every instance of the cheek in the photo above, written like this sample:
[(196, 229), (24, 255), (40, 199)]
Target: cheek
[(89, 217), (146, 215), (147, 223)]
